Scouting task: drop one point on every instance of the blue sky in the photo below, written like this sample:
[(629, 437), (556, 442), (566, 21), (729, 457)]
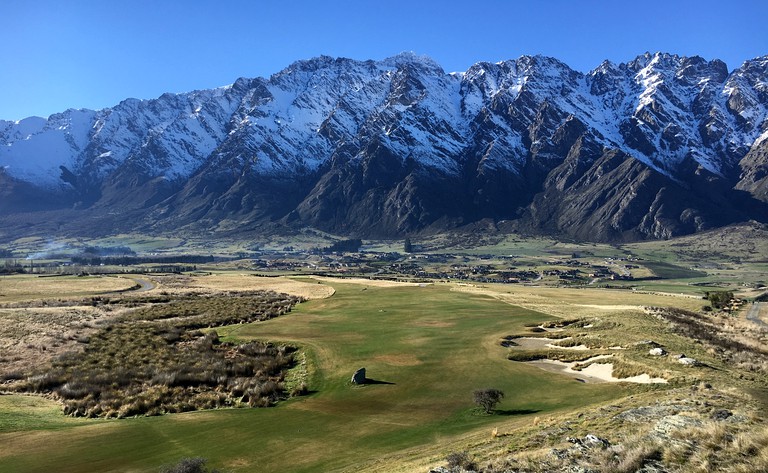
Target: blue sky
[(93, 53)]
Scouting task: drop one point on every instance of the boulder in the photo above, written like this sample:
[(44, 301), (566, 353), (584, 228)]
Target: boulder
[(359, 376), (657, 351), (721, 414), (590, 441)]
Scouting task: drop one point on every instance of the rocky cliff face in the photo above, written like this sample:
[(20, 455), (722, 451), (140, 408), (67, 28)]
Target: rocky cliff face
[(660, 146)]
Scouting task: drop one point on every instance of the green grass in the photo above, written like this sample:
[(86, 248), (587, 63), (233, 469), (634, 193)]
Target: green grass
[(671, 271), (25, 413), (435, 346)]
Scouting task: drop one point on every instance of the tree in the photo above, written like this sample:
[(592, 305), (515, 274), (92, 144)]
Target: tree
[(487, 398), (719, 299), (349, 246), (407, 246)]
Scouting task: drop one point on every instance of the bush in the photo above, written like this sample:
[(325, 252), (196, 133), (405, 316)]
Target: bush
[(460, 460), (189, 465)]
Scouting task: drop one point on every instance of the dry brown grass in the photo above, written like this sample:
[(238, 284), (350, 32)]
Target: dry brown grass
[(736, 342), (30, 337), (717, 446), (30, 287), (237, 282), (571, 303), (45, 317), (153, 360), (366, 282), (556, 443)]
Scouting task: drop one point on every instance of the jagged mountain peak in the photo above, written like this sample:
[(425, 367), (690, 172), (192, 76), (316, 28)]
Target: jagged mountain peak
[(757, 64), (398, 145), (657, 60), (542, 63), (693, 70), (410, 58)]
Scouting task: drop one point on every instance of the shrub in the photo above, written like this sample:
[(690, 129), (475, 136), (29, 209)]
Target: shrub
[(460, 460), (189, 465)]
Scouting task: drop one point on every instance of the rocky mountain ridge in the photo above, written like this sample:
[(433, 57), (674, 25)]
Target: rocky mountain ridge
[(660, 146)]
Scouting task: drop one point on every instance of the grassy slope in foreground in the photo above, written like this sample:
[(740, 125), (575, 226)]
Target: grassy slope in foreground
[(433, 344)]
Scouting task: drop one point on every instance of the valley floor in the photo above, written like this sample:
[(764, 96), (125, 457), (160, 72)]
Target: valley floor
[(426, 345)]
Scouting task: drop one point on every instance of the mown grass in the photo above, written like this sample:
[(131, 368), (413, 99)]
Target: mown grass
[(26, 413), (434, 346)]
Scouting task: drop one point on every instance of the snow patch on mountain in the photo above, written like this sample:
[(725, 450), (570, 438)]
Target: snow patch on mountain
[(661, 109)]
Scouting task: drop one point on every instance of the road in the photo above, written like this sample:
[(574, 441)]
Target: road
[(146, 284), (754, 314)]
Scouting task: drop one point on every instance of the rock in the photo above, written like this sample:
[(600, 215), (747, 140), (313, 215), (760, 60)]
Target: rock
[(653, 467), (721, 414), (558, 453), (667, 425), (359, 376), (657, 352), (594, 441), (688, 361), (650, 413), (588, 442)]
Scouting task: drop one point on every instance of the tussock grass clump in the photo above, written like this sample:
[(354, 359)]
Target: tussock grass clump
[(572, 342), (566, 356), (623, 368), (636, 456), (726, 339), (562, 323), (696, 326), (148, 365), (718, 447), (713, 446), (200, 311)]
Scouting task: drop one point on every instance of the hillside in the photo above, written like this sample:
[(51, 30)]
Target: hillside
[(653, 148)]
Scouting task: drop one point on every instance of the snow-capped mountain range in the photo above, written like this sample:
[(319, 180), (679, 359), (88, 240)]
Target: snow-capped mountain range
[(660, 146)]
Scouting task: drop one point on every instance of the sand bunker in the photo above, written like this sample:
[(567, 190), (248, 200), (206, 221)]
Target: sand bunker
[(594, 373)]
